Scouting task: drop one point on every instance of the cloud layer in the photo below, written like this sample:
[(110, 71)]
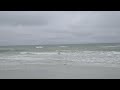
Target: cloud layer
[(53, 27)]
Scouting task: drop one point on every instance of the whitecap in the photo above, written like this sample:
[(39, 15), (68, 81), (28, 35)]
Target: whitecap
[(24, 52), (62, 46), (110, 46), (38, 53), (39, 47), (43, 53)]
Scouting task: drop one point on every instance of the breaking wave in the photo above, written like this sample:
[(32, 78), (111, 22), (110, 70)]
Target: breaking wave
[(111, 46), (39, 47), (63, 46), (10, 50), (37, 53)]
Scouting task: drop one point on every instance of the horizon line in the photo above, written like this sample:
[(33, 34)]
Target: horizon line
[(59, 44)]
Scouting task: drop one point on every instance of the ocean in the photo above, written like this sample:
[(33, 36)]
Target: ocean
[(98, 54)]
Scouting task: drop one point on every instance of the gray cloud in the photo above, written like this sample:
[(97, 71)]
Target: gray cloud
[(47, 27), (21, 18)]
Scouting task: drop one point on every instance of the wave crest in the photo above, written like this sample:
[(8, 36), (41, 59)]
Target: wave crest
[(39, 47)]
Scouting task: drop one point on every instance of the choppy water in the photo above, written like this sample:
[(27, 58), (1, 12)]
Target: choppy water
[(61, 54)]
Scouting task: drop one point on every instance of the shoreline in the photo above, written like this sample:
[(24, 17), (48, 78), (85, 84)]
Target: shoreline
[(47, 71)]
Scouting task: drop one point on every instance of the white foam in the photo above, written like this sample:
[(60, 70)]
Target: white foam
[(69, 56), (39, 47), (23, 52), (116, 52), (36, 53), (111, 46), (62, 46), (44, 53)]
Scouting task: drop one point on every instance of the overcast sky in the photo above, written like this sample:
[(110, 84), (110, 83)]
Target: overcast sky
[(59, 27)]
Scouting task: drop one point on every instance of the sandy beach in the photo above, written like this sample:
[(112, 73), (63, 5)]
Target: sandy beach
[(44, 71)]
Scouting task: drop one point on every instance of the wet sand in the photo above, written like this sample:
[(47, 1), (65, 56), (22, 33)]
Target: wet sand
[(44, 71)]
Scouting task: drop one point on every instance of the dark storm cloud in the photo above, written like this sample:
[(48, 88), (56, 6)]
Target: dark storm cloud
[(47, 27)]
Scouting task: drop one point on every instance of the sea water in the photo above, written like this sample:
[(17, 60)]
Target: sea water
[(61, 54)]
